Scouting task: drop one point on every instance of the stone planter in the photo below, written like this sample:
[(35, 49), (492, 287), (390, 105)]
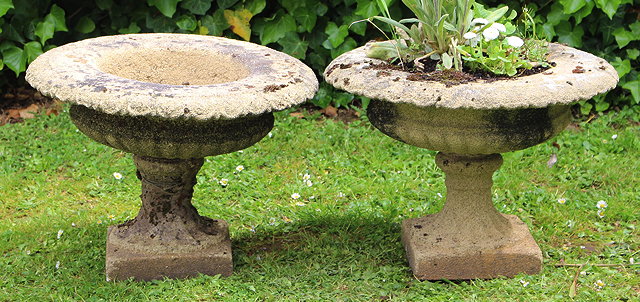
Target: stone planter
[(171, 100), (470, 125)]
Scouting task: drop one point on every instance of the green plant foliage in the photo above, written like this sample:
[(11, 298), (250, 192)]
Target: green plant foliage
[(310, 30), (609, 29)]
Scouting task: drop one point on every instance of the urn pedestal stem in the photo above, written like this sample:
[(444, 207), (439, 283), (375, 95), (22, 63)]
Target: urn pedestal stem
[(168, 238), (469, 238)]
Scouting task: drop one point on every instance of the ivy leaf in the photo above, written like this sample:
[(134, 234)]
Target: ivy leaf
[(336, 34), (624, 37), (166, 7), (224, 4), (292, 45), (635, 28), (634, 88), (198, 7), (277, 28), (56, 15), (305, 18), (367, 8), (256, 6), (215, 23), (572, 6), (623, 67), (15, 59), (556, 15), (583, 12), (32, 50), (239, 22), (160, 24), (187, 22), (85, 25), (566, 34), (633, 53), (44, 30), (132, 29), (5, 5), (609, 7)]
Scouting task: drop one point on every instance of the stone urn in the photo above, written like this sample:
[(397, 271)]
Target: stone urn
[(470, 124), (171, 100)]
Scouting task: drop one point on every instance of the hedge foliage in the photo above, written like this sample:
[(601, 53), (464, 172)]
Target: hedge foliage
[(313, 31)]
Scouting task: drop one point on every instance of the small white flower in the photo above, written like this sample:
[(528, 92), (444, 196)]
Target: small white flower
[(112, 217), (340, 194), (306, 176), (614, 136), (470, 35), (499, 27), (73, 224), (490, 34), (241, 151), (224, 182), (632, 261), (117, 175), (312, 197), (524, 283), (601, 213), (600, 284), (562, 200), (602, 204), (270, 135), (295, 196), (29, 253), (301, 204), (482, 21), (240, 168), (60, 233), (439, 195), (308, 183), (515, 41), (57, 264)]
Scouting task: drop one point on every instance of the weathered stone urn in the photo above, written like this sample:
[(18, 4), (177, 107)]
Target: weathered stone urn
[(171, 100), (470, 125)]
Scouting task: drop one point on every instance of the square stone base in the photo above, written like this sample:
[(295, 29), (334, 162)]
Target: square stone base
[(144, 263), (431, 261)]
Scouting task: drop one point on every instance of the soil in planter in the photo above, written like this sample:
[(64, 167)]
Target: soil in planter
[(448, 77)]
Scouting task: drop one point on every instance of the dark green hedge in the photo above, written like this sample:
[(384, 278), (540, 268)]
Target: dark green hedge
[(313, 31)]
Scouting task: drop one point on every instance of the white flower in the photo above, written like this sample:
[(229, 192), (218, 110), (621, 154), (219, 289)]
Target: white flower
[(60, 233), (340, 194), (117, 175), (73, 224), (562, 200), (515, 41), (306, 176), (308, 183), (600, 284), (614, 136), (439, 195), (470, 35), (601, 213), (300, 204), (224, 182), (524, 283), (112, 217), (240, 168), (482, 21), (270, 135), (632, 261), (295, 196), (602, 204), (57, 264), (498, 26), (490, 34)]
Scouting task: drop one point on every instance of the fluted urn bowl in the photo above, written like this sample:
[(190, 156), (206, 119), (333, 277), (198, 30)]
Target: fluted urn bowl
[(171, 100), (470, 124)]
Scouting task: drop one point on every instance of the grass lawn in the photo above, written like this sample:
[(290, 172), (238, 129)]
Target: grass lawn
[(341, 239)]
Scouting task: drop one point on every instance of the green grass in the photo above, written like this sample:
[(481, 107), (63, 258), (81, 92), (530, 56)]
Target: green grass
[(333, 248)]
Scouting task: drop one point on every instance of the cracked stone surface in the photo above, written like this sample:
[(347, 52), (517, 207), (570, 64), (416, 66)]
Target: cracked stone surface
[(172, 76), (559, 85)]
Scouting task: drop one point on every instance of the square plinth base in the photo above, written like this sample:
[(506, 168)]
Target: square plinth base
[(430, 261), (144, 263)]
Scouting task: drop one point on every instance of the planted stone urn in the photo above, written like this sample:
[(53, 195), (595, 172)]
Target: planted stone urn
[(470, 124), (171, 100)]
